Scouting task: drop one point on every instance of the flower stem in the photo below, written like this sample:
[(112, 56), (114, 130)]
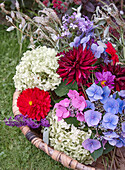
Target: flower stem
[(113, 156), (84, 91)]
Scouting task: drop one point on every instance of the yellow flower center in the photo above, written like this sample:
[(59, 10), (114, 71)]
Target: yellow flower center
[(103, 83), (30, 103)]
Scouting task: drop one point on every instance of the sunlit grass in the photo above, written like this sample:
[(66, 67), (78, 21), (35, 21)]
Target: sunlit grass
[(16, 153)]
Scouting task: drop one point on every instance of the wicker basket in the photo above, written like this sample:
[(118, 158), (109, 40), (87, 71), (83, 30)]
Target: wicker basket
[(118, 164)]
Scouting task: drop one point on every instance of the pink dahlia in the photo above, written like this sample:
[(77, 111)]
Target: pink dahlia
[(76, 64)]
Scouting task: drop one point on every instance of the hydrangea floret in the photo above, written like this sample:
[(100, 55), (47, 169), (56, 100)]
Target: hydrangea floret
[(38, 69)]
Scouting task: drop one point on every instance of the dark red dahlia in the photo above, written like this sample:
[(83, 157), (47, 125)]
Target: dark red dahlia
[(34, 103), (76, 64), (111, 50), (119, 72)]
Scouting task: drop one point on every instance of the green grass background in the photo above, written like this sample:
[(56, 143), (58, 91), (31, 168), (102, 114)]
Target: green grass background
[(16, 153)]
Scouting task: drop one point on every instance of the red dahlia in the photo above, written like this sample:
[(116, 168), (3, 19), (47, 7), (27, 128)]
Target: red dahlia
[(76, 64), (34, 103), (119, 73)]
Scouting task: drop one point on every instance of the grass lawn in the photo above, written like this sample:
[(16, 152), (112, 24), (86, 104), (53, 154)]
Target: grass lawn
[(16, 153)]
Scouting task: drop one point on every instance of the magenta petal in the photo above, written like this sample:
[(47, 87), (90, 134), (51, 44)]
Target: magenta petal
[(66, 114)]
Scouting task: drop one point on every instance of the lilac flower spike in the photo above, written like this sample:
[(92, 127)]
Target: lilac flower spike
[(97, 50), (92, 117), (94, 92), (76, 42), (91, 145), (110, 121)]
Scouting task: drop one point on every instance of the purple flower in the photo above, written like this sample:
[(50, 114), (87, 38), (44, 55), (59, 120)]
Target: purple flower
[(94, 92), (97, 50), (76, 42), (80, 116), (110, 121), (90, 105), (91, 145), (122, 93), (111, 137), (92, 117), (123, 126), (84, 41), (120, 142), (111, 106), (121, 105), (105, 78), (105, 95), (21, 120)]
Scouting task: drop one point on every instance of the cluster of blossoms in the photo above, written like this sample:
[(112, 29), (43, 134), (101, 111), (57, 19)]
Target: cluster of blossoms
[(96, 103), (68, 139), (38, 69), (76, 25), (71, 107), (110, 120)]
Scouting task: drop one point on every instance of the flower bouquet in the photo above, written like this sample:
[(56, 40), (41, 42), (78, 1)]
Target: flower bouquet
[(71, 88)]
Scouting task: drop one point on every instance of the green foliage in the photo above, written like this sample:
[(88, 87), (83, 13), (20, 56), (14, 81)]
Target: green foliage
[(72, 120), (15, 151), (96, 154), (63, 89), (108, 148)]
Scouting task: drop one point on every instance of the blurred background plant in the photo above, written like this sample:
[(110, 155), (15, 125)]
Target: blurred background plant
[(41, 20)]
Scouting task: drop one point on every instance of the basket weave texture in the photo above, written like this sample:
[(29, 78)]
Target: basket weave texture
[(60, 156)]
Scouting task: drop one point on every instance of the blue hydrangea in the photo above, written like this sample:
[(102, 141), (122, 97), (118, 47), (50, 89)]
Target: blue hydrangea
[(91, 144), (110, 121), (111, 106), (90, 105), (92, 117), (105, 95), (121, 105), (111, 137), (94, 92)]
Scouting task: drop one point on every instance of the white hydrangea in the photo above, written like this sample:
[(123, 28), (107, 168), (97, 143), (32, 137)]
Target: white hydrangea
[(38, 69), (68, 139)]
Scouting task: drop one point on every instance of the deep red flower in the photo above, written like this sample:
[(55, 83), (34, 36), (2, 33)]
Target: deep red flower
[(119, 72), (111, 50), (34, 103), (76, 64)]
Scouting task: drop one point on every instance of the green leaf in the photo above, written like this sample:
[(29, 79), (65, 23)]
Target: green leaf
[(72, 120), (96, 154), (63, 89), (108, 148)]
